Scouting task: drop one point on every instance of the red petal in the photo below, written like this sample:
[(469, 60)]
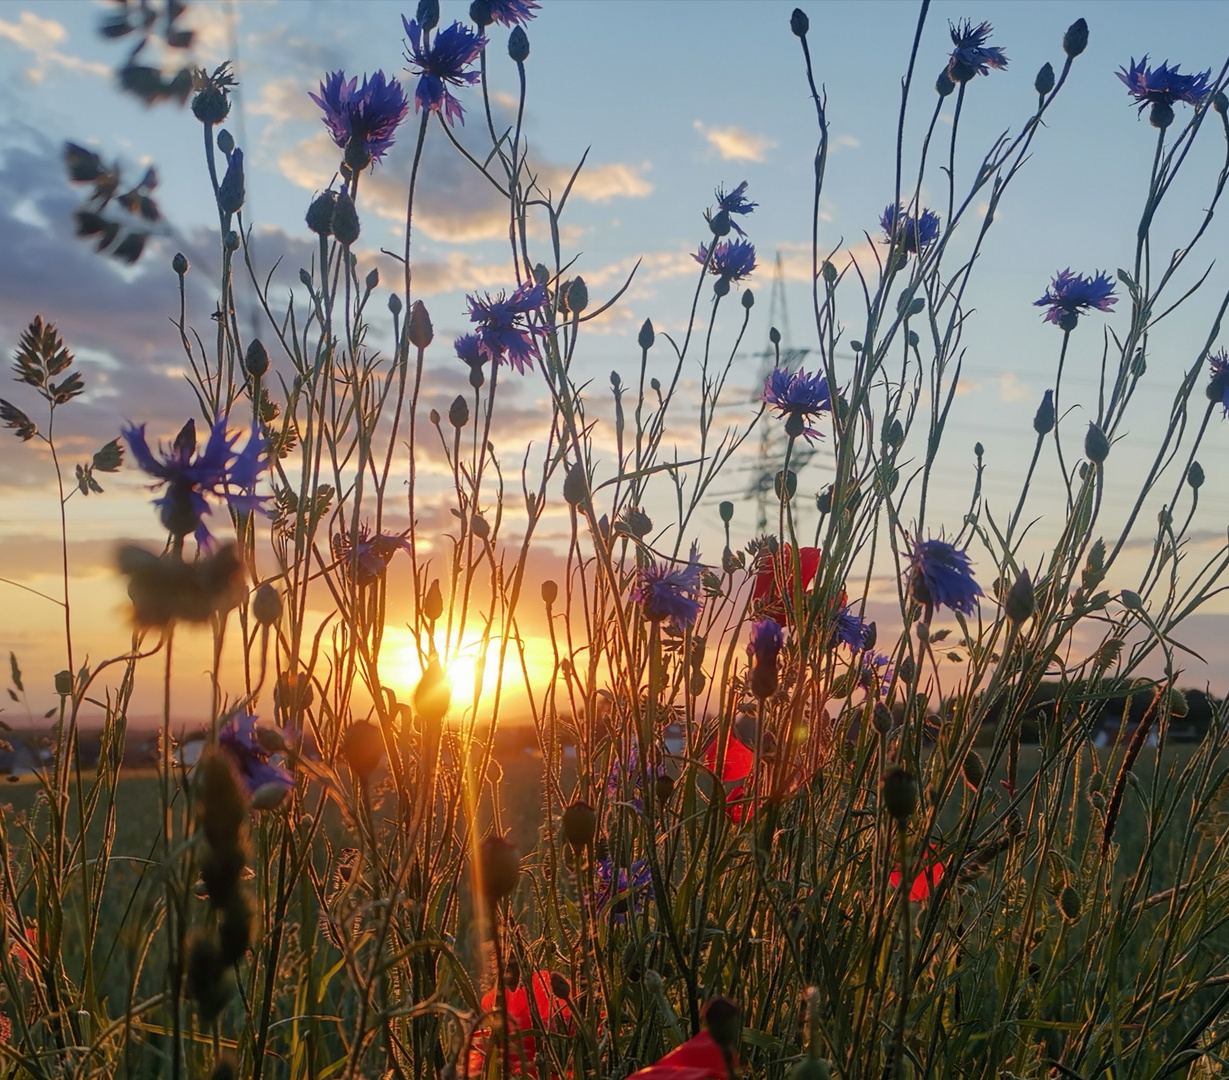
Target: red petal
[(697, 1059)]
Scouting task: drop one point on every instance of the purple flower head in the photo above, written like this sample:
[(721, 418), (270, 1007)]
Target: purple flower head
[(850, 629), (365, 119), (797, 398), (441, 64), (218, 471), (874, 672), (240, 741), (972, 56), (504, 332), (513, 12), (765, 646), (909, 232), (941, 575), (615, 778), (733, 260), (1163, 85), (1218, 389), (622, 891), (1071, 295), (666, 592), (369, 558), (735, 202)]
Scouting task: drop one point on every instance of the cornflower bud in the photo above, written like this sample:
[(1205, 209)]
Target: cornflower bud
[(1069, 902), (578, 291), (726, 510), (1044, 82), (256, 359), (799, 23), (480, 12), (226, 142), (1194, 475), (1020, 603), (428, 14), (433, 602), (266, 605), (373, 278), (362, 746), (518, 46), (576, 484), (345, 219), (458, 412), (320, 213), (943, 84), (1075, 40), (394, 304), (433, 694), (748, 299), (180, 263), (420, 329), (719, 225), (899, 793), (1043, 421), (1096, 445), (550, 592)]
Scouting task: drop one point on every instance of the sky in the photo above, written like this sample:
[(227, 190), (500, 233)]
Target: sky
[(670, 100)]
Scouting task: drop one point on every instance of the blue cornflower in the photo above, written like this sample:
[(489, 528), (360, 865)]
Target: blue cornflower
[(674, 594), (735, 202), (513, 12), (362, 121), (504, 332), (614, 780), (218, 471), (1218, 389), (874, 672), (767, 640), (972, 56), (941, 575), (732, 260), (442, 63), (850, 629), (370, 557), (266, 783), (797, 398), (1071, 295), (1161, 87), (623, 889), (909, 232)]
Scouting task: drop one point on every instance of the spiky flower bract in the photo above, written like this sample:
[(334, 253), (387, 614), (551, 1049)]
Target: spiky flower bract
[(1218, 388), (441, 64), (367, 560), (941, 575), (910, 232), (732, 260), (365, 118), (666, 591), (1071, 295), (735, 202), (971, 55), (798, 397), (504, 333), (1163, 85), (219, 472)]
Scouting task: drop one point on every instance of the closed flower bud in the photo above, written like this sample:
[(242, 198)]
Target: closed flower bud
[(211, 105), (1096, 445), (458, 412), (1075, 40), (550, 592), (719, 224), (433, 602), (906, 670), (305, 277), (226, 142), (774, 335), (646, 337), (230, 190), (362, 746), (881, 717), (320, 213), (786, 481), (579, 824), (421, 331), (480, 12), (1177, 704), (799, 23), (541, 275), (433, 694), (63, 683), (1220, 102), (266, 605), (726, 510), (748, 299), (1020, 603), (499, 867), (427, 14), (974, 770), (230, 241), (518, 46), (394, 304), (663, 788), (256, 359), (1131, 600), (479, 527), (434, 417), (373, 278), (576, 484), (829, 271), (578, 291), (639, 524), (823, 501), (1043, 421), (899, 793), (180, 263), (724, 1020), (943, 84), (345, 220), (1194, 475), (1044, 82), (1069, 902)]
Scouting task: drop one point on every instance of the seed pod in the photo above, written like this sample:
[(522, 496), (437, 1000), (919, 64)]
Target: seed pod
[(1069, 901), (180, 263), (973, 769), (362, 746), (498, 867), (550, 591), (898, 791), (579, 824), (64, 683), (266, 605)]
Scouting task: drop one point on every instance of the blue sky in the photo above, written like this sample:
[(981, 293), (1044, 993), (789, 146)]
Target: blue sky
[(673, 98)]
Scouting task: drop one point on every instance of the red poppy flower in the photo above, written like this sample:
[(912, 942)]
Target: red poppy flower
[(552, 1008), (697, 1059), (925, 882), (778, 571), (739, 759)]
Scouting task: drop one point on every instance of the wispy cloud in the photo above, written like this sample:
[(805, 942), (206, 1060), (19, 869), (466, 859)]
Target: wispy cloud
[(42, 38), (734, 144), (1012, 389)]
